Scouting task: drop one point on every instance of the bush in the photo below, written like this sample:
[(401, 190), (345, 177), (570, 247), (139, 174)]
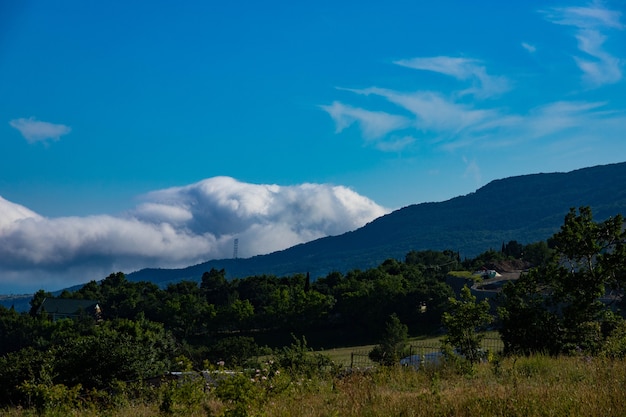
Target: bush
[(183, 396), (299, 360), (51, 398), (24, 365), (239, 393), (615, 345), (392, 345), (235, 351)]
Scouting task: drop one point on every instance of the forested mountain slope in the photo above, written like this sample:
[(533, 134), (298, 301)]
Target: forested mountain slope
[(526, 208)]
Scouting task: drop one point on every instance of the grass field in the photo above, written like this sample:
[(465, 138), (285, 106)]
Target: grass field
[(357, 356), (514, 387)]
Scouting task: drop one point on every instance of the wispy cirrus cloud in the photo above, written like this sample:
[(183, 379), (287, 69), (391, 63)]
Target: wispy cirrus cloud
[(607, 69), (173, 227), (395, 143), (591, 23), (563, 115), (594, 16), (472, 170), (464, 69), (436, 116), (433, 111), (34, 130), (543, 113), (453, 119), (452, 125), (373, 124)]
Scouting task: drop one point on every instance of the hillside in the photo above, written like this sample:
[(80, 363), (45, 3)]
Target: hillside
[(526, 208)]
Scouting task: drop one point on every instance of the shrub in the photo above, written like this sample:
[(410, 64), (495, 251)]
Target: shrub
[(615, 345), (24, 365), (239, 393), (183, 396), (299, 360), (51, 398), (392, 345), (464, 322)]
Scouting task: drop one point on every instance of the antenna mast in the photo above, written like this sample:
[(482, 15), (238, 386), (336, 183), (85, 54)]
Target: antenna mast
[(236, 248)]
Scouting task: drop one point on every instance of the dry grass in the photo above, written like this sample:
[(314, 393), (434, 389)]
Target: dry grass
[(524, 387)]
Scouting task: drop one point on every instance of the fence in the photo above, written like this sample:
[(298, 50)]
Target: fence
[(360, 358)]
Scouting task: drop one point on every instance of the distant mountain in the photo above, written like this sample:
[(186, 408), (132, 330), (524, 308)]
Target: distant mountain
[(526, 208)]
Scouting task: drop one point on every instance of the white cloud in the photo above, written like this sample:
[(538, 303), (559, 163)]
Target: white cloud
[(435, 116), (395, 144), (173, 227), (532, 121), (224, 206), (463, 69), (603, 68), (11, 213), (433, 111), (585, 17), (472, 171), (570, 122), (373, 124), (158, 212), (560, 116), (453, 122), (453, 126), (34, 130)]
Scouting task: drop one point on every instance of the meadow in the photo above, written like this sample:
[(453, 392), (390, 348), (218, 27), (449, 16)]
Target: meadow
[(514, 386), (358, 356)]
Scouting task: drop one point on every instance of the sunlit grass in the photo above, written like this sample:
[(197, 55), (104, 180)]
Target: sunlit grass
[(418, 345), (536, 386), (523, 386)]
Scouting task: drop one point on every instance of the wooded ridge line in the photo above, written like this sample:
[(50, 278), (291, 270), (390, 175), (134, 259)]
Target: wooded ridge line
[(527, 208)]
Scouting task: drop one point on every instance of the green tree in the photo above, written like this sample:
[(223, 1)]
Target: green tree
[(90, 291), (430, 260), (236, 316), (215, 287), (27, 364), (37, 300), (464, 321), (589, 262), (119, 349), (528, 325), (513, 249), (186, 311), (235, 351), (392, 346), (537, 253)]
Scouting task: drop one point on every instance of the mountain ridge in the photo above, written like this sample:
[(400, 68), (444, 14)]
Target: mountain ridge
[(526, 208)]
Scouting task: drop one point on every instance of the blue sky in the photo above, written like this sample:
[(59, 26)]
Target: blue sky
[(113, 111)]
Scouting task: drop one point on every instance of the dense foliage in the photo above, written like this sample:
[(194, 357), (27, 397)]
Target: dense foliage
[(392, 345), (146, 330), (572, 302), (464, 323)]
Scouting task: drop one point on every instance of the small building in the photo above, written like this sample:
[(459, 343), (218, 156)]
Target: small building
[(64, 308)]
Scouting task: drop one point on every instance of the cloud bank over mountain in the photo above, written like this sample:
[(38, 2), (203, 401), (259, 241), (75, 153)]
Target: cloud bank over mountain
[(173, 227)]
